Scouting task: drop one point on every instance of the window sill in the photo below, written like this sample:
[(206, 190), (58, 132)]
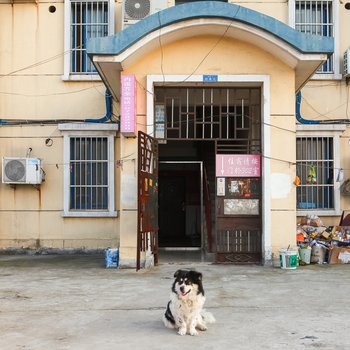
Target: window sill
[(92, 214), (319, 213), (325, 76), (82, 77)]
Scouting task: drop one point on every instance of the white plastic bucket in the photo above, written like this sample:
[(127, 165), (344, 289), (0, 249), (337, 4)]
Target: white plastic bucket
[(288, 258), (305, 255)]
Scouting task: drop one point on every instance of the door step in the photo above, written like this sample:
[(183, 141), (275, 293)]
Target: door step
[(180, 249)]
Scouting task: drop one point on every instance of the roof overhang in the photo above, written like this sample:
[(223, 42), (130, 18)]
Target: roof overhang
[(302, 52)]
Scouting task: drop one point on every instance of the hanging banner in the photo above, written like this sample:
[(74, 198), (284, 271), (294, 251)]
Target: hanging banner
[(128, 105), (237, 165)]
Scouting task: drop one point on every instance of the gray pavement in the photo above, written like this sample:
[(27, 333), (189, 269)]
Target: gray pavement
[(73, 302)]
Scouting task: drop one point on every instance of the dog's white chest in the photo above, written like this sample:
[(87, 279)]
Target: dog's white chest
[(188, 307)]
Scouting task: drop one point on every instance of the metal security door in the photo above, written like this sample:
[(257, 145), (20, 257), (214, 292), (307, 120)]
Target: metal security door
[(238, 213), (147, 223)]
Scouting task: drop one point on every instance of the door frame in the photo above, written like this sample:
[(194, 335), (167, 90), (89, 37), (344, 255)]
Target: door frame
[(237, 80), (200, 163)]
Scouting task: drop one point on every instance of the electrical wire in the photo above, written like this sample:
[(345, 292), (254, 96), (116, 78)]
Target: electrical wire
[(204, 58), (52, 94), (46, 60), (322, 114)]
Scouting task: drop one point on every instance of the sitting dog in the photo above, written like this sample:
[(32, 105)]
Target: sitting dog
[(185, 308)]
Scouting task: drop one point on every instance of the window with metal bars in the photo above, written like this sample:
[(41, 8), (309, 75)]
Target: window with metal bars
[(195, 113), (89, 19), (88, 189), (317, 18), (315, 168)]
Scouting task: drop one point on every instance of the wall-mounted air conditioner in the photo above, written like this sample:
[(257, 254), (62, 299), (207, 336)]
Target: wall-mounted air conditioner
[(22, 171), (135, 10), (347, 63)]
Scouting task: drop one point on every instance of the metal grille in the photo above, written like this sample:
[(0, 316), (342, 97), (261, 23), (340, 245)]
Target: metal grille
[(316, 17), (208, 113), (88, 173), (238, 246), (317, 152), (238, 241), (89, 19)]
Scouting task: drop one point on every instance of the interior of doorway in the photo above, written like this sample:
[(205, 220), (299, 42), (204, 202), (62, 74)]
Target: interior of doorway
[(180, 205)]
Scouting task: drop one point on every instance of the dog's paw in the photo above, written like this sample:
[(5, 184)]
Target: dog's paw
[(182, 331), (193, 332), (201, 327)]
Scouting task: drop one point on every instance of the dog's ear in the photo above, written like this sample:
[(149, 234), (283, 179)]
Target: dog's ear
[(197, 275), (177, 273)]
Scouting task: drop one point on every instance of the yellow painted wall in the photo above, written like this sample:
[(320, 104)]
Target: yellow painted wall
[(31, 57), (31, 88), (32, 216), (274, 8)]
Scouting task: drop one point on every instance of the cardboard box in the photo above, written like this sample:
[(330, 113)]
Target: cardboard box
[(325, 234), (340, 255)]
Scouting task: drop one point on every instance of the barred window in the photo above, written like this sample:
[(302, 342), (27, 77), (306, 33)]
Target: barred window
[(317, 18), (88, 182), (315, 167), (89, 19), (88, 173)]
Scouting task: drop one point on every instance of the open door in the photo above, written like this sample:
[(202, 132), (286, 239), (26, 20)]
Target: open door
[(147, 223)]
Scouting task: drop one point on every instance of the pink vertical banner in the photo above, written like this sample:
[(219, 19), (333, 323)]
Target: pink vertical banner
[(237, 165), (128, 104)]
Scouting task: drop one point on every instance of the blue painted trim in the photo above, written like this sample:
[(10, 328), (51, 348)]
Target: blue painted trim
[(116, 44)]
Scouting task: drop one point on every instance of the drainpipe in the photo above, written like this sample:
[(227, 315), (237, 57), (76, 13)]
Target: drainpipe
[(300, 119), (108, 114)]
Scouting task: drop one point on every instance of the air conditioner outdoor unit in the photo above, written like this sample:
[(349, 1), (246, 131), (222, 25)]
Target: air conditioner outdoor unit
[(135, 10), (22, 171), (347, 63)]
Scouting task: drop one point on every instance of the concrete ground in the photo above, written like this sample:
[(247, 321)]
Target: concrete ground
[(73, 302)]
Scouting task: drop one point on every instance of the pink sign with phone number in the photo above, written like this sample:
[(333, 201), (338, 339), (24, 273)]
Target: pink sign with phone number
[(128, 104), (237, 165)]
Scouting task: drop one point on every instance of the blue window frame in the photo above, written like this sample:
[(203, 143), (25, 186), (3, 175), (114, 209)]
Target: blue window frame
[(316, 152), (89, 19), (317, 18), (88, 173)]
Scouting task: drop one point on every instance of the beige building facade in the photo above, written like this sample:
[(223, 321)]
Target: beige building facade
[(213, 84)]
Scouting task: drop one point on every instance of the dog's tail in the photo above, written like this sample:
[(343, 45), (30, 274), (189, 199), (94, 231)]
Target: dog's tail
[(207, 317)]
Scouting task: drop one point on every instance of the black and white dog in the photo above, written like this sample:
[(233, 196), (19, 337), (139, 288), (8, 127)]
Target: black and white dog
[(185, 308)]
